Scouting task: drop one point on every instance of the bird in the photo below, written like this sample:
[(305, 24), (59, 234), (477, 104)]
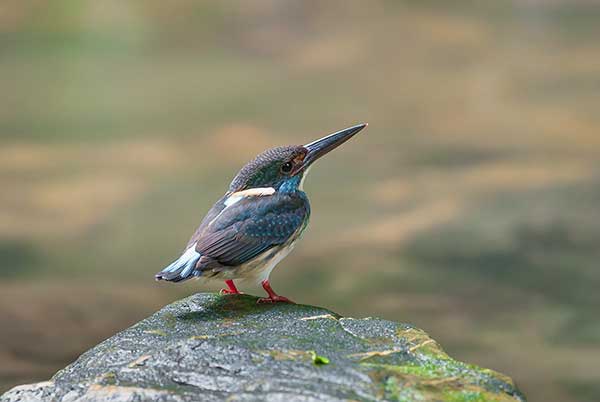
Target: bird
[(258, 221)]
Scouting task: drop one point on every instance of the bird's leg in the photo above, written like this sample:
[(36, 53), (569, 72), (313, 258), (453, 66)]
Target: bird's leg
[(232, 289), (273, 297)]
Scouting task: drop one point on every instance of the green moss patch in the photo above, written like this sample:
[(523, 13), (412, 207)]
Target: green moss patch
[(318, 360)]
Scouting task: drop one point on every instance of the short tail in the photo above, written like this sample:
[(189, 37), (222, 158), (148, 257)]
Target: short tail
[(181, 269)]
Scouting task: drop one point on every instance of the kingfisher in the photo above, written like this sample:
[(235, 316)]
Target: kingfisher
[(258, 221)]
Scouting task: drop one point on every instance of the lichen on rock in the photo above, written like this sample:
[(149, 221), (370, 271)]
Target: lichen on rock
[(211, 347)]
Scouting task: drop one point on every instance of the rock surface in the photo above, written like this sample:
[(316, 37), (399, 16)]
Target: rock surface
[(209, 347)]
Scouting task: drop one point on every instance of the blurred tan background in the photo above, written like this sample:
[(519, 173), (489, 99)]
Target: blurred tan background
[(470, 207)]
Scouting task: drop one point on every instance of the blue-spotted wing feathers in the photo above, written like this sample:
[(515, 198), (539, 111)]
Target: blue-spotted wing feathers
[(231, 236), (252, 226)]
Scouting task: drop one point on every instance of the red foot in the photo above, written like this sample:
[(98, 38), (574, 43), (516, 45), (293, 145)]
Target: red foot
[(232, 289), (228, 292), (273, 297)]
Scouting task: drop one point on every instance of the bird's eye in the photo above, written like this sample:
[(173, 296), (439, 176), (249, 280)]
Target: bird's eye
[(286, 167)]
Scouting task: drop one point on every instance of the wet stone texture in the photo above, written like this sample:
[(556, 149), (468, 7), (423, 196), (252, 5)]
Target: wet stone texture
[(208, 347)]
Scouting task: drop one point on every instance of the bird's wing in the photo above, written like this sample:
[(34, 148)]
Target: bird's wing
[(251, 226)]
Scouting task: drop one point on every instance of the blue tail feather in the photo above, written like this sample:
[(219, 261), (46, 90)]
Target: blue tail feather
[(181, 269)]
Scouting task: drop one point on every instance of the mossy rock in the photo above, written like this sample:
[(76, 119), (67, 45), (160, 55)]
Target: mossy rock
[(210, 347)]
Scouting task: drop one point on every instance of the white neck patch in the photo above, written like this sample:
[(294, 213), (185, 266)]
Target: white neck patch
[(251, 192)]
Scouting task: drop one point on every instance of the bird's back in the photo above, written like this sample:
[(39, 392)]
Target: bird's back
[(248, 232)]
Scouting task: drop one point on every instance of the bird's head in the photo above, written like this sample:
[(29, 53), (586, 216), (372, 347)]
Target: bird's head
[(283, 168)]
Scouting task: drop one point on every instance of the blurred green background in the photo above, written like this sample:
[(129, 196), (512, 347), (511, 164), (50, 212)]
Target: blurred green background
[(470, 207)]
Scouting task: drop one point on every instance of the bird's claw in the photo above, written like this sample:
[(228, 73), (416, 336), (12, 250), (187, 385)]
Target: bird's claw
[(274, 299), (229, 292)]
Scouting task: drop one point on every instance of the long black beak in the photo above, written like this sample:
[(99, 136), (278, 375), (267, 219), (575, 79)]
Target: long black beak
[(320, 147)]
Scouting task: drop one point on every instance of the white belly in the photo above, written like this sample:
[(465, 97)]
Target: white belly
[(260, 267)]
